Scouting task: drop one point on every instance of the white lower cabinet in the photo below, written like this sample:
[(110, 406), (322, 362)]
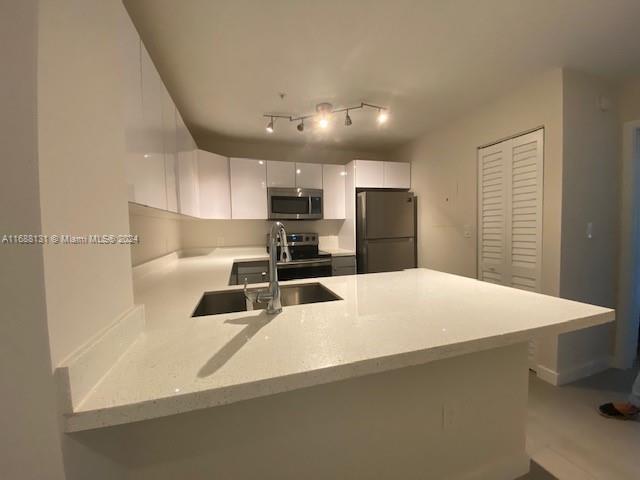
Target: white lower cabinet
[(213, 185), (333, 182), (248, 188)]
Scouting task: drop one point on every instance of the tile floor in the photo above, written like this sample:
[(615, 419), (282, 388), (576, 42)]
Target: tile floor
[(568, 440)]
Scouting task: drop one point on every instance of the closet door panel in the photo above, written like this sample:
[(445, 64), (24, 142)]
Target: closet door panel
[(492, 214), (526, 189)]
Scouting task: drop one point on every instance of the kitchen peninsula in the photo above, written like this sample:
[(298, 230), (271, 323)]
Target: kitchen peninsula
[(317, 391)]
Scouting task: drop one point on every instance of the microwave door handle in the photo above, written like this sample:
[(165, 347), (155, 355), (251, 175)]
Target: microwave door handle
[(310, 207)]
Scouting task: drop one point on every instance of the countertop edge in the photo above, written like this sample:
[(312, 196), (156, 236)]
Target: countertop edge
[(209, 398)]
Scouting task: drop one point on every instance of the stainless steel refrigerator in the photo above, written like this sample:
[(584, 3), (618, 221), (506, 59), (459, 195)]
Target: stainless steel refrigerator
[(385, 231)]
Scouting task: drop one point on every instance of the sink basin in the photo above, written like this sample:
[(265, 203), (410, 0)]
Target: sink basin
[(228, 301)]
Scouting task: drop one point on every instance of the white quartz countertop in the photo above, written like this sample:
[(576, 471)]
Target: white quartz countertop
[(385, 321)]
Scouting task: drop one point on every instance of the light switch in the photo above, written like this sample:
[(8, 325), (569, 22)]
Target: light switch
[(467, 231), (590, 230)]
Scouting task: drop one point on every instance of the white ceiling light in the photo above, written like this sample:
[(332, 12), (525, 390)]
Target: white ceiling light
[(324, 112), (383, 116)]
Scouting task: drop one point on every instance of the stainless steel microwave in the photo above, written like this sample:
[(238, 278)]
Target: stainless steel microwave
[(295, 203)]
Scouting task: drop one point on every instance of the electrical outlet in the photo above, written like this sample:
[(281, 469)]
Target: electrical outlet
[(220, 241)]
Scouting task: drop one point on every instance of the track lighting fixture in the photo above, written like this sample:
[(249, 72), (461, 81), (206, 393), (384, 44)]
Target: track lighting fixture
[(347, 119), (324, 112)]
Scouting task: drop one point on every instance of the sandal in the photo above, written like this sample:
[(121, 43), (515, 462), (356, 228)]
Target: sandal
[(609, 410)]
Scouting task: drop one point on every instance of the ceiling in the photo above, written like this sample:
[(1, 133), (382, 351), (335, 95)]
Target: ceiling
[(226, 61)]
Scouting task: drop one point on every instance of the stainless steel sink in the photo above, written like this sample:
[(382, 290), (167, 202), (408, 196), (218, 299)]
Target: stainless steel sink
[(228, 301)]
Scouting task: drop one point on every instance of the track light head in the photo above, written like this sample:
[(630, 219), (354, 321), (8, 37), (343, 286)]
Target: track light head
[(347, 120), (270, 126), (383, 116), (300, 126)]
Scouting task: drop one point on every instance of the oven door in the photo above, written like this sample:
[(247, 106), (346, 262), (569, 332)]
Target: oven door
[(295, 203), (304, 269)]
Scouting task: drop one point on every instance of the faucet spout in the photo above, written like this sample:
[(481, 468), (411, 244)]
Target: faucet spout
[(272, 293)]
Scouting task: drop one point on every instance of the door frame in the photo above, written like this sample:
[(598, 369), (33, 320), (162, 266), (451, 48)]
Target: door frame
[(628, 311)]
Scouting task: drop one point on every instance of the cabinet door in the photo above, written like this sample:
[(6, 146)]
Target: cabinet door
[(309, 175), (213, 185), (281, 174), (153, 188), (369, 174), (397, 175), (248, 188), (188, 197), (333, 183), (134, 160), (169, 139)]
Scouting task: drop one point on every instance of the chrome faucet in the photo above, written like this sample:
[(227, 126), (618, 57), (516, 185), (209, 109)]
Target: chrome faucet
[(272, 292)]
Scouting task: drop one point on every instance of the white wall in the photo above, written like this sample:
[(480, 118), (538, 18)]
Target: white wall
[(29, 440), (82, 179), (443, 175), (590, 193), (580, 185)]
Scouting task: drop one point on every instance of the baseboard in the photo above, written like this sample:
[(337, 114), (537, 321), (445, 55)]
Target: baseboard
[(85, 368), (576, 373)]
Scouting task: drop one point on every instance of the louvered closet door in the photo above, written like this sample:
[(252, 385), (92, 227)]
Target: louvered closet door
[(492, 214), (525, 211)]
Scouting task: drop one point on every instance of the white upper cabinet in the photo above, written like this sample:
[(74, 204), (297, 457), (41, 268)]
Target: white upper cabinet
[(376, 174), (281, 174), (309, 175), (169, 139), (188, 195), (333, 181), (369, 174), (153, 187), (134, 165), (248, 188), (213, 185), (397, 175)]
